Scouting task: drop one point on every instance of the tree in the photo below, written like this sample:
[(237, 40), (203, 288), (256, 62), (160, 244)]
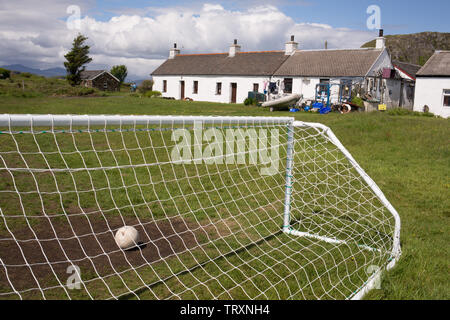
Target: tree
[(146, 85), (5, 73), (77, 58), (120, 72)]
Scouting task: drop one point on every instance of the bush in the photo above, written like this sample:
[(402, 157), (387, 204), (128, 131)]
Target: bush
[(5, 74), (358, 101), (250, 102), (26, 74), (85, 91), (152, 94), (145, 86)]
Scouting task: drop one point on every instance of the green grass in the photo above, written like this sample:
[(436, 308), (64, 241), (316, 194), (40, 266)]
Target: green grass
[(407, 156)]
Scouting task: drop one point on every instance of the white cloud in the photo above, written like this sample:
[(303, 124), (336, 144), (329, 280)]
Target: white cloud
[(142, 42)]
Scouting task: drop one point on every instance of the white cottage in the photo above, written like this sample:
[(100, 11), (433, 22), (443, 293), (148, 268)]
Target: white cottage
[(228, 77), (433, 85)]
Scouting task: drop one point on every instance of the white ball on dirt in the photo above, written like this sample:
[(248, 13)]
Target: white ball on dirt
[(127, 237)]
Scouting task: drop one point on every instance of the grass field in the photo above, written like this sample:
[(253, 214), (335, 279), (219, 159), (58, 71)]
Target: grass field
[(407, 156)]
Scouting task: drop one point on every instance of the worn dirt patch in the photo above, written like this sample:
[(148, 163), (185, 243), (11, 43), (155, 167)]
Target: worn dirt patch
[(88, 243)]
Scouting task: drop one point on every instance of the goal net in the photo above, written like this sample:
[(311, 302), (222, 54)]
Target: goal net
[(225, 208)]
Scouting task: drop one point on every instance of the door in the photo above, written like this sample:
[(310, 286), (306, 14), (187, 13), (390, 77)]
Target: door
[(181, 90), (233, 92), (400, 102)]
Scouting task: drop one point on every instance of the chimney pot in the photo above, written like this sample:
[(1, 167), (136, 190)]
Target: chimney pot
[(234, 48), (380, 41), (291, 46), (174, 51)]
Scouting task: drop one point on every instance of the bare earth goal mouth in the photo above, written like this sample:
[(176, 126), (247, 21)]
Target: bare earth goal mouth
[(225, 208)]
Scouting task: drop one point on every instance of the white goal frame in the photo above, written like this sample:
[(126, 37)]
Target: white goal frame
[(30, 121)]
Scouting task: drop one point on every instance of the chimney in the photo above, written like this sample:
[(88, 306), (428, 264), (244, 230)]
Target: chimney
[(291, 46), (234, 48), (381, 40), (174, 51)]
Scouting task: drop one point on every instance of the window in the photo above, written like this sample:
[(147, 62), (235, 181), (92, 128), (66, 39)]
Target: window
[(323, 88), (105, 85), (164, 86), (256, 87), (195, 87), (345, 88), (219, 88), (447, 98), (287, 85)]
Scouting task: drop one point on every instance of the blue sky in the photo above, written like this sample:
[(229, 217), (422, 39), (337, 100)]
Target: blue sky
[(398, 16)]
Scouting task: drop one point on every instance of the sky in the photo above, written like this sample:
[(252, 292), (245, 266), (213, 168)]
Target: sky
[(140, 33)]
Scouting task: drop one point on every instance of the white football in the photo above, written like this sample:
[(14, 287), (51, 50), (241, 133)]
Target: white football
[(127, 237)]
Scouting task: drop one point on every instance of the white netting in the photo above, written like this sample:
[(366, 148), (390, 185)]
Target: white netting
[(213, 227)]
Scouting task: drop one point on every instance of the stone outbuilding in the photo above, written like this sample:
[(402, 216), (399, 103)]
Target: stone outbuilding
[(100, 79)]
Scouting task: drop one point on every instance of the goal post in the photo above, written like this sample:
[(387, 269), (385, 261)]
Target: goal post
[(225, 208)]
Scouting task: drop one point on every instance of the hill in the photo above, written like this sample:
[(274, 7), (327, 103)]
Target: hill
[(30, 85), (415, 48), (52, 72)]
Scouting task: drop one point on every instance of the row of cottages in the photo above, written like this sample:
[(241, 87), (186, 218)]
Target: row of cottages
[(99, 79), (228, 77), (433, 85)]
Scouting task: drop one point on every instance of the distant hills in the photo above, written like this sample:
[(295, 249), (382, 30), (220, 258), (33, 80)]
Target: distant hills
[(52, 72), (415, 48)]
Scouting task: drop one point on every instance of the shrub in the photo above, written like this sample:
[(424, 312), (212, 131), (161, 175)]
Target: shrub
[(152, 94), (250, 102), (5, 74), (358, 101), (26, 74), (85, 91), (145, 86)]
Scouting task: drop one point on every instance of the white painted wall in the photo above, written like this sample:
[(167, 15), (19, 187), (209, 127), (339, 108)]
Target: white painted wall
[(383, 61), (429, 91), (207, 87)]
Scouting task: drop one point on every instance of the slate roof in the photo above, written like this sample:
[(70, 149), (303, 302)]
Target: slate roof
[(437, 66), (90, 74), (409, 68), (330, 63), (262, 63)]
